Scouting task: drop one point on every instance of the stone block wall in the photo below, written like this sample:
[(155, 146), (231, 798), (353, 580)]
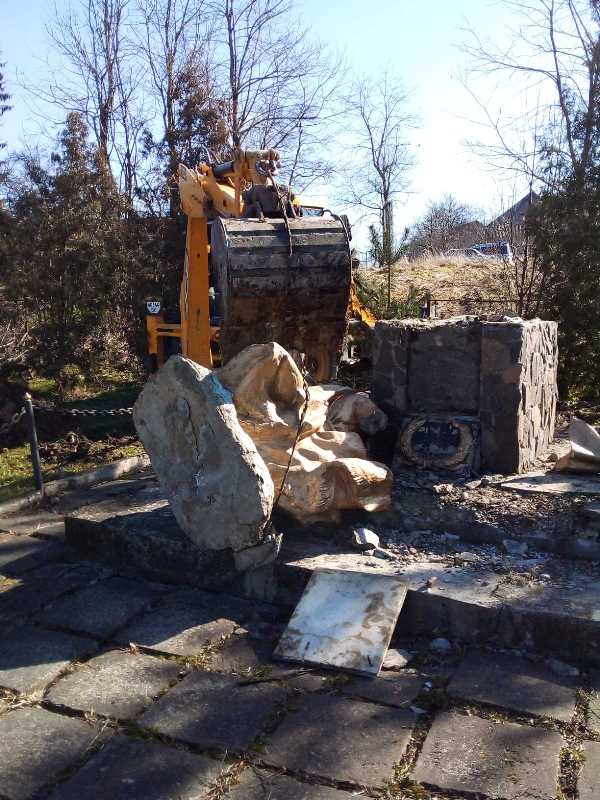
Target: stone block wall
[(500, 372)]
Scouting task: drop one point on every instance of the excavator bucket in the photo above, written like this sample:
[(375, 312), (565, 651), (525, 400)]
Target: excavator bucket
[(286, 283)]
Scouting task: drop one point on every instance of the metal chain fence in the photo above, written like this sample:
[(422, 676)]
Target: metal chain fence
[(29, 408)]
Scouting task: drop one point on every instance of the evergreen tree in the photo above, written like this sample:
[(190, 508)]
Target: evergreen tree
[(70, 264)]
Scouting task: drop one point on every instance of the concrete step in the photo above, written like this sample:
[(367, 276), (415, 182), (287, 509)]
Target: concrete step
[(553, 608)]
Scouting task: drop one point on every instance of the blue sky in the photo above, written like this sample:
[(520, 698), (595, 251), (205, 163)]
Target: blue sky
[(419, 41)]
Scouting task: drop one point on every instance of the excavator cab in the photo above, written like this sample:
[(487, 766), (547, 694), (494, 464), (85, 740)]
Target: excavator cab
[(257, 269)]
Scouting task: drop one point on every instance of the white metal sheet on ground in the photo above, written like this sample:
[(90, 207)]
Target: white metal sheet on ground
[(344, 619), (554, 483)]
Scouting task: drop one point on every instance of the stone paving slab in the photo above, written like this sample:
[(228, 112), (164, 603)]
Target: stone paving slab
[(36, 746), (514, 683), (243, 654), (593, 712), (589, 779), (31, 657), (21, 553), (214, 711), (259, 784), (101, 609), (182, 625), (132, 769), (341, 739), (502, 761), (390, 688), (116, 684), (21, 597), (44, 523)]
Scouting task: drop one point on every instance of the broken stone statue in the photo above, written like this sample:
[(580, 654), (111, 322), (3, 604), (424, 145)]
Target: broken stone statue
[(220, 443)]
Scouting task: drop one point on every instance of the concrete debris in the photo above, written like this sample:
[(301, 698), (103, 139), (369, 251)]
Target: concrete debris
[(440, 645), (584, 455), (329, 469), (364, 539), (514, 548), (397, 659), (560, 668)]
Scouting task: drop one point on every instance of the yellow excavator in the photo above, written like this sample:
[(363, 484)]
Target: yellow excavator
[(259, 267)]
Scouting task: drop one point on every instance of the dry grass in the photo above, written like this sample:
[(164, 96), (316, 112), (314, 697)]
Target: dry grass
[(462, 284)]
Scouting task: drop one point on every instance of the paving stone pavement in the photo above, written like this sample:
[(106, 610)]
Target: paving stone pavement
[(501, 761), (516, 684), (36, 747), (589, 780), (216, 712), (257, 784), (160, 772), (102, 608), (31, 657), (254, 728), (116, 684), (341, 739)]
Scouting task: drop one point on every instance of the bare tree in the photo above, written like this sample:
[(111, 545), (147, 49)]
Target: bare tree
[(381, 125), (446, 223), (89, 35), (175, 47), (555, 57), (277, 82)]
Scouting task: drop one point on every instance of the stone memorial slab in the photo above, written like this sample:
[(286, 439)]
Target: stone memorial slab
[(102, 608), (31, 657), (21, 553), (36, 746), (514, 683), (345, 619), (502, 761), (182, 625), (258, 785), (214, 711), (341, 739), (116, 684), (589, 779), (132, 769), (389, 688)]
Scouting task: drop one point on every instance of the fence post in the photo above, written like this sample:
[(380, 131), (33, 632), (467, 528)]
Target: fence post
[(33, 444)]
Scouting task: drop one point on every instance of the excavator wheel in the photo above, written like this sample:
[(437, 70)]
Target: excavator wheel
[(266, 293)]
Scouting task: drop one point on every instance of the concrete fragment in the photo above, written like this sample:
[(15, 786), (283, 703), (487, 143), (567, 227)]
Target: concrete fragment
[(440, 645), (397, 659), (560, 668), (514, 548), (364, 539), (217, 484)]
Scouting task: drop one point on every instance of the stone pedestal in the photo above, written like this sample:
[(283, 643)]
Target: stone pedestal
[(501, 374)]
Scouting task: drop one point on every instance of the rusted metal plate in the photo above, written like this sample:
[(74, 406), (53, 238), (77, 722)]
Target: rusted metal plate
[(345, 619)]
